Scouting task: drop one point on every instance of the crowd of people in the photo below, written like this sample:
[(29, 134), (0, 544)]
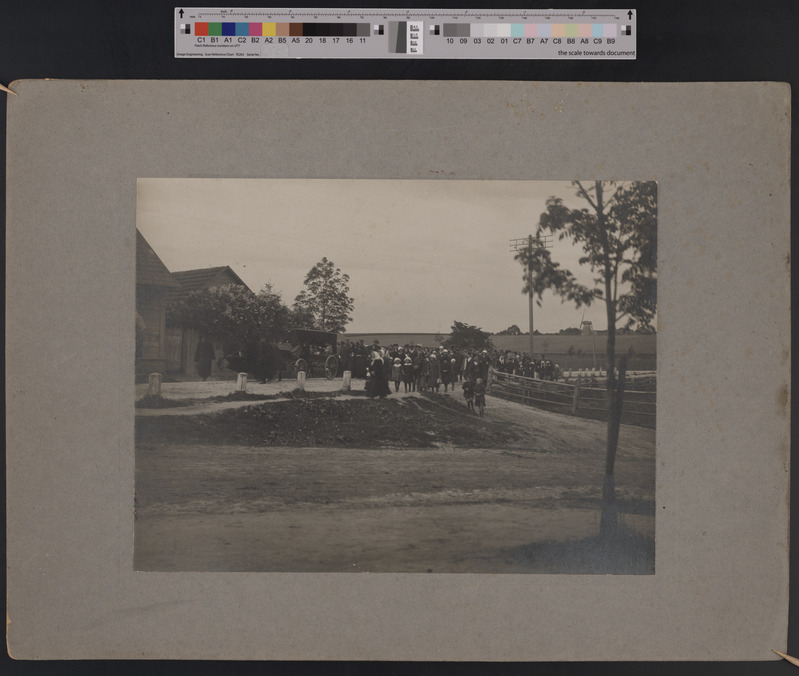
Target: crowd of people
[(412, 367), (418, 369)]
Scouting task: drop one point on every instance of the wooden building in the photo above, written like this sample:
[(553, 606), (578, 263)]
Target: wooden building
[(153, 285)]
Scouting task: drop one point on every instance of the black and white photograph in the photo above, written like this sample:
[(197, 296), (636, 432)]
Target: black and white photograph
[(395, 376)]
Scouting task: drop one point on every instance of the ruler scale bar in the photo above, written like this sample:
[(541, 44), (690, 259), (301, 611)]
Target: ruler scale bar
[(404, 34)]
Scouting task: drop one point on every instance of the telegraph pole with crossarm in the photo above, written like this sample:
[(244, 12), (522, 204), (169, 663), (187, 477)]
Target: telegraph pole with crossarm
[(528, 244)]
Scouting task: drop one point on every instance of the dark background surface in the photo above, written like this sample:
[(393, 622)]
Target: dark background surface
[(678, 41)]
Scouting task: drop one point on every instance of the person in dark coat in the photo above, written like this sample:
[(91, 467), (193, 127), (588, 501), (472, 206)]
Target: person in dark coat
[(268, 361), (361, 361), (483, 365), (378, 385), (407, 374), (447, 364), (470, 369), (204, 356)]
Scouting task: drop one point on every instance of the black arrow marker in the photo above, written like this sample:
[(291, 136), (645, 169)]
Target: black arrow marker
[(181, 13), (629, 14)]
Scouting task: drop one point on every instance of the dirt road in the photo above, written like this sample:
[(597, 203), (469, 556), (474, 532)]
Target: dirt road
[(532, 507)]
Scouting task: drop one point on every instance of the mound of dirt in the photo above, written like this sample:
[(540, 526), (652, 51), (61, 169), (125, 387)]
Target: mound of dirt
[(417, 422)]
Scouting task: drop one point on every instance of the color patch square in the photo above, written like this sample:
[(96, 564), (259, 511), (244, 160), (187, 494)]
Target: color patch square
[(242, 29), (584, 30), (545, 30), (558, 30), (597, 30), (517, 30), (531, 30), (214, 28), (228, 29), (626, 30), (609, 30), (269, 30), (185, 28), (256, 28), (570, 30)]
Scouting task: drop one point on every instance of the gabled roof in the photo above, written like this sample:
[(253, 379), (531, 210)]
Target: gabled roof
[(150, 271), (205, 278)]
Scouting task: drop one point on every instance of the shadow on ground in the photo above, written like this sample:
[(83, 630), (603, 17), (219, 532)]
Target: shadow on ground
[(627, 553)]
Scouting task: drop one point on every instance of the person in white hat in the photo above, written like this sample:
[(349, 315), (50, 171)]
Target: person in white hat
[(434, 375)]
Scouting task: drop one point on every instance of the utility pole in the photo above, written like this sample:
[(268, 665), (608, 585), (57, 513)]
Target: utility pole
[(528, 244)]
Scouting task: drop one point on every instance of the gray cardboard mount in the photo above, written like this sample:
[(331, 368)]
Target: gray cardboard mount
[(720, 154)]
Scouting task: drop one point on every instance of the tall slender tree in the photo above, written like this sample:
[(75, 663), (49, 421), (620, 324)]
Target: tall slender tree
[(325, 299), (617, 231)]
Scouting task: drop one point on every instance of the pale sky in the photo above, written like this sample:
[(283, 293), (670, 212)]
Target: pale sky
[(420, 254)]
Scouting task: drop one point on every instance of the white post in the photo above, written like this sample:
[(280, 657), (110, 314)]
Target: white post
[(347, 382), (154, 385), (301, 380), (241, 382)]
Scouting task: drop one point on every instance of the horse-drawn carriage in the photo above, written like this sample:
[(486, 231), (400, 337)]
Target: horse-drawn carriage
[(314, 352)]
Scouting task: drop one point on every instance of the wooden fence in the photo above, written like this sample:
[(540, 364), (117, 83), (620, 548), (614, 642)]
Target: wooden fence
[(580, 398)]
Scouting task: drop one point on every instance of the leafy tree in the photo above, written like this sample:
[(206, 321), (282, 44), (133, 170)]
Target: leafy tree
[(325, 299), (617, 231), (512, 330), (301, 317), (231, 313), (467, 337), (571, 331)]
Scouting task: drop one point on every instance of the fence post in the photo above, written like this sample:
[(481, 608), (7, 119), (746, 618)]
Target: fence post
[(154, 385), (301, 380), (576, 397), (241, 382), (346, 383)]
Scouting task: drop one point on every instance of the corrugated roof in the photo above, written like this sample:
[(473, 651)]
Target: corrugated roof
[(150, 270)]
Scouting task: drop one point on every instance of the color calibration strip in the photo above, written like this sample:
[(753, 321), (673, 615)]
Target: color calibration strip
[(270, 29), (400, 33), (526, 30)]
